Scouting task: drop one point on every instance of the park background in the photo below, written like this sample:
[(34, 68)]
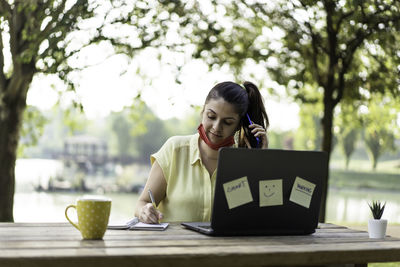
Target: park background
[(123, 76)]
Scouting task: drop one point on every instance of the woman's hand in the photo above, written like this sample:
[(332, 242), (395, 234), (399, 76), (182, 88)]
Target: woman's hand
[(260, 132), (157, 184), (148, 214)]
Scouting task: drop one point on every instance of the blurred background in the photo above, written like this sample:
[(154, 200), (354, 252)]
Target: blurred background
[(328, 72)]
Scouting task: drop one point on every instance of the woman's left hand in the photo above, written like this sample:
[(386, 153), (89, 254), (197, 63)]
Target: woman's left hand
[(260, 132)]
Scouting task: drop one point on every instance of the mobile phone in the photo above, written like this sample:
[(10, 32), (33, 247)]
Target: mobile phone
[(254, 141)]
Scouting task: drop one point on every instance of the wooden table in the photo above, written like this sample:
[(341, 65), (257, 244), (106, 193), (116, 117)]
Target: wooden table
[(59, 244)]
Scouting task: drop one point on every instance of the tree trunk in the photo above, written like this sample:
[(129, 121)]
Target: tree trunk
[(9, 136), (347, 162), (12, 109), (327, 122), (374, 163)]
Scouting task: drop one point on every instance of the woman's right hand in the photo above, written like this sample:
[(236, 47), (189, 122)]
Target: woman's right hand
[(157, 184), (148, 214)]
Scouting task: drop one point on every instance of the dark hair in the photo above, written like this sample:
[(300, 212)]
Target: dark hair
[(245, 100)]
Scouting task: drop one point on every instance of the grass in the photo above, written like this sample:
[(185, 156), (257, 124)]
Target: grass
[(364, 165), (360, 175), (364, 180)]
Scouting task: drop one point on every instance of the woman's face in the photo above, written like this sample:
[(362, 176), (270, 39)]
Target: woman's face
[(219, 120)]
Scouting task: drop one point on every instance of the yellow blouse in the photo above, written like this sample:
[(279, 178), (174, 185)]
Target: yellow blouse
[(190, 189)]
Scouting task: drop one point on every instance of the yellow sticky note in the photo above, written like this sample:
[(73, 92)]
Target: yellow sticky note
[(271, 193), (237, 192), (302, 192)]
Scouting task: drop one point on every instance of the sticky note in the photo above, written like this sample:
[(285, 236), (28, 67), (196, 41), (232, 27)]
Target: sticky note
[(271, 192), (237, 192), (302, 192)]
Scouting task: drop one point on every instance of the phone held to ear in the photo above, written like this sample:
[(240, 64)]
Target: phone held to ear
[(254, 141)]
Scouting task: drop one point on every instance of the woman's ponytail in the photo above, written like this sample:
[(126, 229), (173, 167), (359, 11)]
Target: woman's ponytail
[(256, 111)]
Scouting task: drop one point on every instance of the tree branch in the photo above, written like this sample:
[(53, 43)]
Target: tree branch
[(342, 18), (341, 85), (315, 55), (346, 61), (307, 100), (49, 27), (5, 7)]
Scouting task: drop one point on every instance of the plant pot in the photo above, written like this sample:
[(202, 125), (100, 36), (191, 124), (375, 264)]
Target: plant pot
[(377, 228)]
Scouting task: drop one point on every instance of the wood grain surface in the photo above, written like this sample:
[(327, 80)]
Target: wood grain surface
[(60, 244)]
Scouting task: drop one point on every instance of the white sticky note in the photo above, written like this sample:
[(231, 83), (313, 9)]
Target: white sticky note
[(302, 192), (271, 193), (237, 192)]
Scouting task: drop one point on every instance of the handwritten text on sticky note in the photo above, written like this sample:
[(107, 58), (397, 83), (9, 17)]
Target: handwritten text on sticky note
[(302, 192), (237, 192), (271, 192)]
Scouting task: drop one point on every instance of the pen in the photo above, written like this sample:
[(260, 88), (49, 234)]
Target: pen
[(258, 140), (153, 202)]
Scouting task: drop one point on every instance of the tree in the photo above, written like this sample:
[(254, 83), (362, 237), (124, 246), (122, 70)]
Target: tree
[(150, 142), (348, 142), (377, 142), (49, 37), (121, 127), (380, 127), (32, 129), (43, 133), (308, 135), (128, 124), (305, 45), (347, 127)]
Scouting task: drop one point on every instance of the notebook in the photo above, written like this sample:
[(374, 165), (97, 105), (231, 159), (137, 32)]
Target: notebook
[(266, 192), (134, 224)]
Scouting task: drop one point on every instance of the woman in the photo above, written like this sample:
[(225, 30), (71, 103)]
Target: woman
[(183, 172)]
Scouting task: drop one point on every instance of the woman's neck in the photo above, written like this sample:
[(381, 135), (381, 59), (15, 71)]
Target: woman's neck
[(206, 152)]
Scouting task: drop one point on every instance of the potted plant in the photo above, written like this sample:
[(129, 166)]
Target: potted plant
[(377, 226)]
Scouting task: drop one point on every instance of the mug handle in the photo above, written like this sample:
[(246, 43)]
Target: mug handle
[(66, 215)]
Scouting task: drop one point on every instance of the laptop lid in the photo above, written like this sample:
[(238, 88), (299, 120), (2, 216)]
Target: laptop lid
[(268, 191)]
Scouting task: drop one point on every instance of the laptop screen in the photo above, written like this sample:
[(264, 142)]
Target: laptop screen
[(268, 189)]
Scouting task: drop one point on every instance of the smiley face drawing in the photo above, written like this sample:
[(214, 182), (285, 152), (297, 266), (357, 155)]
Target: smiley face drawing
[(271, 192)]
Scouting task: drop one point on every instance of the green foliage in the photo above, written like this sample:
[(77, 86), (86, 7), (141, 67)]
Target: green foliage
[(380, 127), (308, 136), (377, 209), (320, 51), (32, 129), (121, 128), (377, 142), (137, 132), (185, 126), (151, 141), (74, 121), (148, 132), (53, 37), (139, 115), (59, 124), (281, 140), (347, 128), (349, 138), (308, 47)]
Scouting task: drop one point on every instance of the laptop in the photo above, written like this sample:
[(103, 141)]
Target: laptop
[(266, 192)]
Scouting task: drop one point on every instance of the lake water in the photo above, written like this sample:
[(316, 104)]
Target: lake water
[(30, 206), (351, 205)]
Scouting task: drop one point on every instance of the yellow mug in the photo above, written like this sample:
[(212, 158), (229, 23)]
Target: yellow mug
[(93, 214)]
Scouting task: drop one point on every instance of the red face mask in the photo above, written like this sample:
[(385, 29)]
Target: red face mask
[(229, 141)]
